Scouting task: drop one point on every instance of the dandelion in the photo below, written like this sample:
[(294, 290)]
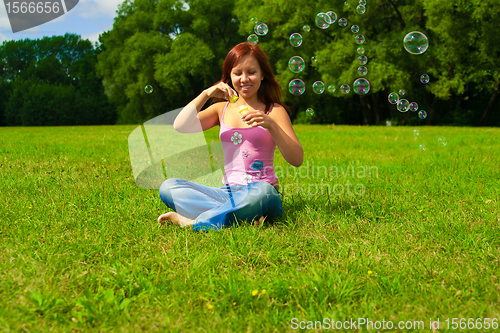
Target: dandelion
[(370, 272), (234, 303), (29, 207), (420, 211), (263, 291), (255, 292), (210, 306)]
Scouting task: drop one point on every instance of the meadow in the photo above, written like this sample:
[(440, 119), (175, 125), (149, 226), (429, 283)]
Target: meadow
[(417, 239)]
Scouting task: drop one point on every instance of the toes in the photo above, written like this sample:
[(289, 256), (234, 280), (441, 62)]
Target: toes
[(164, 217), (259, 222)]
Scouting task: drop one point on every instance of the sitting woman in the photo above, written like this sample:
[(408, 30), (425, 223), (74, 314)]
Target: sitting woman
[(249, 138)]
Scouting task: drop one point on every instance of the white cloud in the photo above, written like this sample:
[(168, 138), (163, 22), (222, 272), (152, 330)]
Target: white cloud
[(97, 8), (94, 37)]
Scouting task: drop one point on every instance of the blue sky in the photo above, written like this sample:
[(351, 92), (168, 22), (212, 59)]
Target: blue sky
[(88, 19)]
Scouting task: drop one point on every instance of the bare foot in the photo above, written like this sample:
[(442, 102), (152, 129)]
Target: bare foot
[(175, 218), (259, 222)]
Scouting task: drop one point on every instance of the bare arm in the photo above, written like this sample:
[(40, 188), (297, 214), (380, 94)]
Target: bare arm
[(191, 120), (283, 134)]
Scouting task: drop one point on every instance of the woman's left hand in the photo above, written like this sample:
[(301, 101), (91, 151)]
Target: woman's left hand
[(257, 118)]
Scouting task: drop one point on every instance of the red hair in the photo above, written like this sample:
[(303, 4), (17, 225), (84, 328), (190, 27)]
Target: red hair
[(269, 90)]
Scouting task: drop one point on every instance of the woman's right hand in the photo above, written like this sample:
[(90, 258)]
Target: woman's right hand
[(221, 90)]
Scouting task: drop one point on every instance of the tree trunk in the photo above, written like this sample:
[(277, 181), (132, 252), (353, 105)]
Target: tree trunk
[(429, 107), (376, 107), (366, 107), (491, 105)]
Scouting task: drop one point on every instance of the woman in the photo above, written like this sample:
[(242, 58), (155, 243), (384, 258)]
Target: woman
[(251, 188)]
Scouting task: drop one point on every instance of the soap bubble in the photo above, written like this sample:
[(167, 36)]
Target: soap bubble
[(297, 87), (322, 20), (416, 42), (354, 28), (314, 59), (253, 39), (413, 106), (360, 39), (261, 29), (310, 112), (148, 89), (331, 17), (422, 114), (346, 3), (416, 132), (343, 22), (345, 88), (306, 28), (393, 98), (361, 9), (362, 60), (361, 86), (362, 2), (254, 20), (296, 39), (402, 92), (296, 64), (424, 78), (422, 147), (331, 88), (318, 87), (361, 50), (403, 105), (442, 141), (362, 70)]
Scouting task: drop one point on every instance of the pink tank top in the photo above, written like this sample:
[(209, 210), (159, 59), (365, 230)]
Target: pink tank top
[(248, 154)]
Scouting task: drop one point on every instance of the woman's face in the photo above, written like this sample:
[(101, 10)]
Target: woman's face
[(246, 76)]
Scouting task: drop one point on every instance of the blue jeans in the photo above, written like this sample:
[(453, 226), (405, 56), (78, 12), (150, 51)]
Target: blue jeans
[(216, 208)]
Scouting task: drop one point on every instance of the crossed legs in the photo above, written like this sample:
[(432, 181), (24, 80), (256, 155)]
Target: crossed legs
[(203, 207)]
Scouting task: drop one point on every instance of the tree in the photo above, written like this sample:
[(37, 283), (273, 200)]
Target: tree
[(176, 47), (449, 60), (52, 81)]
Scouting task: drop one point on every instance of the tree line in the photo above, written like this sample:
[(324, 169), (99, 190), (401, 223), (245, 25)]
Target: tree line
[(178, 48), (52, 82)]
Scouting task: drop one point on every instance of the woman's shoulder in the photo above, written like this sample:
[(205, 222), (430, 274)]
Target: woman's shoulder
[(277, 108), (218, 106)]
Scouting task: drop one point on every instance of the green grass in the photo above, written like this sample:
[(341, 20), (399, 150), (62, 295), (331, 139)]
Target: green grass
[(80, 248)]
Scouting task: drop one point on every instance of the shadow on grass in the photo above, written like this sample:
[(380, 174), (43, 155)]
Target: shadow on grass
[(297, 207)]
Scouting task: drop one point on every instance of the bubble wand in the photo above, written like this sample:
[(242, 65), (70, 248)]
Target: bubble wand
[(234, 99)]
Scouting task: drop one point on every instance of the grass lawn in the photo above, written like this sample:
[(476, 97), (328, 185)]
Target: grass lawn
[(394, 234)]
